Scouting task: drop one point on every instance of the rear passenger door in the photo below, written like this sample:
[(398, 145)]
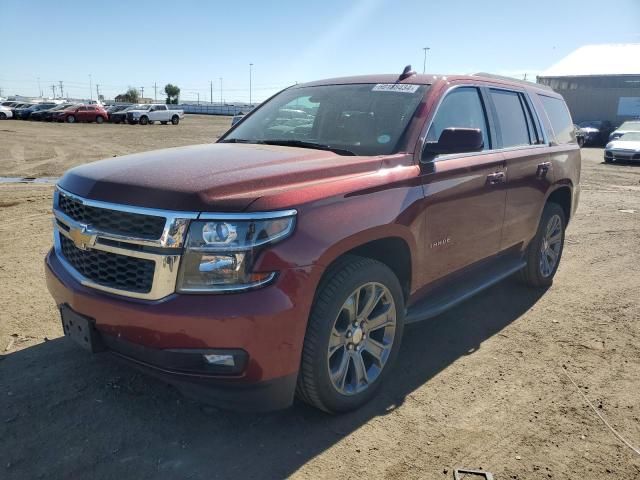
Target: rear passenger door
[(528, 167), (464, 194)]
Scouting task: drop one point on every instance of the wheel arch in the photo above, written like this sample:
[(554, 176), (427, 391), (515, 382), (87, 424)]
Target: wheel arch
[(392, 250), (562, 194)]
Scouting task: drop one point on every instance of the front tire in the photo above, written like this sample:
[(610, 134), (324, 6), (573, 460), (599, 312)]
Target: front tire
[(99, 119), (545, 250), (3, 116), (353, 335), (144, 120)]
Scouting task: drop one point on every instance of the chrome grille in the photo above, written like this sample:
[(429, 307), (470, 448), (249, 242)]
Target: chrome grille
[(121, 249), (110, 270), (113, 221)]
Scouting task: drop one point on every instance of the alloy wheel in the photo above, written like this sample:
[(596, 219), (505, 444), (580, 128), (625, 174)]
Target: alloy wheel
[(550, 246), (361, 338)]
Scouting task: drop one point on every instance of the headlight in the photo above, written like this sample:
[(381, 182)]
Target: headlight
[(219, 253)]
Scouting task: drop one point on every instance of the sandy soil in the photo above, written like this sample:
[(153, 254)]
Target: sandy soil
[(482, 386)]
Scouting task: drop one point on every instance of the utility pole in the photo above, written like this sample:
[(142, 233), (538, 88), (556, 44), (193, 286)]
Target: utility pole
[(53, 90), (220, 90), (141, 92), (90, 89), (198, 98), (424, 63), (98, 91), (39, 88), (61, 90), (155, 92), (211, 94)]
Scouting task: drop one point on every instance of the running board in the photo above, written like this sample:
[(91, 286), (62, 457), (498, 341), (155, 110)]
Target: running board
[(448, 296)]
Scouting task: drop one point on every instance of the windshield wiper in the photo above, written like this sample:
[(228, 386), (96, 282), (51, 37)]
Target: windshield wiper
[(303, 144), (238, 140)]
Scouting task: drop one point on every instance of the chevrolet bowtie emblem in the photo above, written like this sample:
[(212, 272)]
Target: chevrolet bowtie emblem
[(82, 237)]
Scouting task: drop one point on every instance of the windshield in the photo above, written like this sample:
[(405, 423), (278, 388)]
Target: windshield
[(366, 119), (631, 137), (630, 126)]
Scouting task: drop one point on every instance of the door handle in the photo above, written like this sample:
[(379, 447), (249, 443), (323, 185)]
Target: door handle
[(496, 178), (543, 169)]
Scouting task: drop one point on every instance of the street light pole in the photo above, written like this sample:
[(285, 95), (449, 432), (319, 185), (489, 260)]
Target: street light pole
[(221, 91), (250, 71), (424, 64), (90, 89)]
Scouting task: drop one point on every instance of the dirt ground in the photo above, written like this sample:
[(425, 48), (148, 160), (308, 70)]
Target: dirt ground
[(482, 386)]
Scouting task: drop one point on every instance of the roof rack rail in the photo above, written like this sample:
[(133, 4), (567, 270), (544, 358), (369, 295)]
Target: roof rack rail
[(511, 79)]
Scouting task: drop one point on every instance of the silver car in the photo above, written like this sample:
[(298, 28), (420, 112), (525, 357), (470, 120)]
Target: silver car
[(626, 127), (624, 149)]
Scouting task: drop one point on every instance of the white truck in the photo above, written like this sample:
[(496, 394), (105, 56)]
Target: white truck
[(159, 112)]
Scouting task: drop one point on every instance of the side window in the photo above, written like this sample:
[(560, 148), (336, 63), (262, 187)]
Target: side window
[(161, 107), (82, 109), (516, 127), (559, 118), (462, 108)]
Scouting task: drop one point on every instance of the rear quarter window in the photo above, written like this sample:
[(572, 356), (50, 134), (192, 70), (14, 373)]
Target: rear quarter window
[(560, 119)]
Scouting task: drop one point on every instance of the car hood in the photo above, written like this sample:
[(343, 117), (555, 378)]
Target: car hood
[(213, 177), (624, 145)]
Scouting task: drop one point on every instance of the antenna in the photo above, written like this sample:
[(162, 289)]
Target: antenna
[(406, 73)]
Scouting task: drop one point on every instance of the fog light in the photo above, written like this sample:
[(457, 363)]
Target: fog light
[(224, 360)]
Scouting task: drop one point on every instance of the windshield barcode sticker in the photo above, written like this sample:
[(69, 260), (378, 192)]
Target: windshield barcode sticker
[(395, 87)]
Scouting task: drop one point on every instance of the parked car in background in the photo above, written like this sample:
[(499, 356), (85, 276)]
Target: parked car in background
[(18, 106), (121, 115), (596, 132), (625, 148), (5, 113), (579, 135), (115, 109), (145, 114), (81, 113), (286, 258), (47, 114), (629, 126), (9, 103), (25, 113)]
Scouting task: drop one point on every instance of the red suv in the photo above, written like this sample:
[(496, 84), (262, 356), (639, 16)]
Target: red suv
[(82, 113), (288, 257)]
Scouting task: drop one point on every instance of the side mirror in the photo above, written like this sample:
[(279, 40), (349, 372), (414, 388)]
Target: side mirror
[(455, 140)]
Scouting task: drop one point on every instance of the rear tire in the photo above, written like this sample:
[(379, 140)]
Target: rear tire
[(3, 116), (175, 120), (352, 339), (71, 119), (545, 250)]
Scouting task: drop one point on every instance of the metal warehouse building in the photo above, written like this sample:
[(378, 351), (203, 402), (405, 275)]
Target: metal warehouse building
[(599, 82)]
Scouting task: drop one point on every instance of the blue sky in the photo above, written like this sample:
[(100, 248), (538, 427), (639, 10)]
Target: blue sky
[(190, 43)]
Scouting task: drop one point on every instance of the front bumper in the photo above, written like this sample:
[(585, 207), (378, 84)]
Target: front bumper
[(268, 324)]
